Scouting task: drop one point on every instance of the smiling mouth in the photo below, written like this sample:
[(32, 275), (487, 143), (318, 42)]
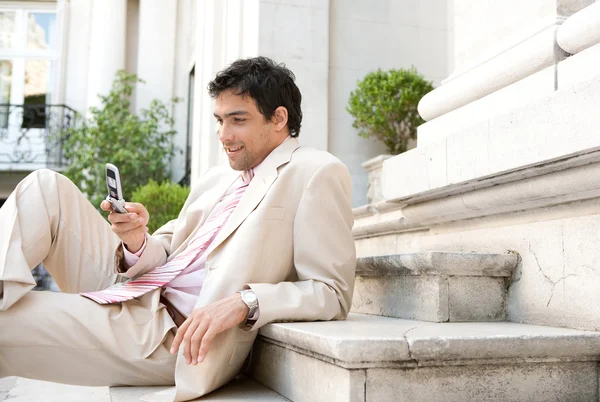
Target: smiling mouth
[(233, 150)]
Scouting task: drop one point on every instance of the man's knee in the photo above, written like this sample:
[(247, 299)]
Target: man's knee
[(44, 185), (43, 175), (47, 179)]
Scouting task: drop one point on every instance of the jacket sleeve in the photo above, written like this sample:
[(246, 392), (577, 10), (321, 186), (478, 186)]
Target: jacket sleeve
[(155, 254), (324, 255)]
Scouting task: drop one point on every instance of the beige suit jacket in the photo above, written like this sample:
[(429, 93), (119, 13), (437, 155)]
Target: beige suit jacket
[(289, 239)]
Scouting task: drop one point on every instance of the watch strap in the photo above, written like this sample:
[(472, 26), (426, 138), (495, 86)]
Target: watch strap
[(252, 308)]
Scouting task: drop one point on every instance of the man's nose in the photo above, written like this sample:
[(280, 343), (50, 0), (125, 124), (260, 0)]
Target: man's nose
[(224, 133)]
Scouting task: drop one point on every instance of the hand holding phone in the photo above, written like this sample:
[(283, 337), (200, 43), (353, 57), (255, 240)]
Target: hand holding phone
[(115, 193), (129, 223)]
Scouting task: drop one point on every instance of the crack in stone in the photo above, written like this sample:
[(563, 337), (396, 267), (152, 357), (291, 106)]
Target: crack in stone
[(537, 262), (405, 335), (591, 268), (553, 283)]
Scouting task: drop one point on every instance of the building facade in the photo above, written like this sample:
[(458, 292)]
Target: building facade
[(66, 52)]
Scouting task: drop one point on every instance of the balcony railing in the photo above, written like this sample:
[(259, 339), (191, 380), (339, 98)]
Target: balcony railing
[(31, 135)]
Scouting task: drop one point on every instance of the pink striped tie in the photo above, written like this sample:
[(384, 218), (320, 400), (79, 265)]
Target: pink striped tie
[(162, 275)]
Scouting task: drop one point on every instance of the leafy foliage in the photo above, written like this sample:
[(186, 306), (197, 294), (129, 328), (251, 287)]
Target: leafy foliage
[(140, 146), (384, 106), (163, 201)]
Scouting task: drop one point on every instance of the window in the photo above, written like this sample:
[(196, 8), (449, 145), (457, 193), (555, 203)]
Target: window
[(5, 84), (7, 29), (28, 54), (41, 30)]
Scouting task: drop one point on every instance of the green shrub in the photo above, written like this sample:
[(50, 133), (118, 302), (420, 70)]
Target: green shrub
[(384, 106), (140, 146), (163, 201)]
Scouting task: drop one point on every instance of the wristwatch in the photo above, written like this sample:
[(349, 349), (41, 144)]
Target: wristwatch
[(250, 300)]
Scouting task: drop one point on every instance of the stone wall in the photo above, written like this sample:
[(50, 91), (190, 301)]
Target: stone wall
[(556, 282), (515, 171), (367, 35)]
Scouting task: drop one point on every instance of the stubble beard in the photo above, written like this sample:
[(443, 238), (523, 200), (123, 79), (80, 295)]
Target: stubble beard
[(245, 163), (248, 161)]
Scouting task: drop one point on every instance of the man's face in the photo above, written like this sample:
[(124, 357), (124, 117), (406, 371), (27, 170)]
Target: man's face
[(245, 134)]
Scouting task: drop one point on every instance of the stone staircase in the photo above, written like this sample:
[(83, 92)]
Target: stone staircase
[(433, 356), (434, 286), (374, 358)]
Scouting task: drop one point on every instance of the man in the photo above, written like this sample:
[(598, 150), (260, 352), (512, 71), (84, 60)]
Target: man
[(277, 228)]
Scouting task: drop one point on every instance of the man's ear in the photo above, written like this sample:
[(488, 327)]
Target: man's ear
[(280, 118)]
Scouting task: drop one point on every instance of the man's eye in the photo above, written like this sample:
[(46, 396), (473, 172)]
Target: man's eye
[(238, 120), (220, 122)]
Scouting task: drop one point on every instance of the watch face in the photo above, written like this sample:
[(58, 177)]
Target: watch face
[(249, 297)]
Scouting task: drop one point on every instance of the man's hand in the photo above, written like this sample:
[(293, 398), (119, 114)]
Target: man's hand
[(130, 227), (198, 331)]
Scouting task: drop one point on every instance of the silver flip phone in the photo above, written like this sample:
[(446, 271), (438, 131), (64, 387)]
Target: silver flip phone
[(113, 184)]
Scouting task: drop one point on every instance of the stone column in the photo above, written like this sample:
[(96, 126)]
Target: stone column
[(209, 59), (156, 51), (580, 31), (497, 44), (107, 46), (62, 16)]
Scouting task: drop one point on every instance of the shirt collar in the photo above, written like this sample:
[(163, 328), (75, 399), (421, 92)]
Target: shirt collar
[(248, 175)]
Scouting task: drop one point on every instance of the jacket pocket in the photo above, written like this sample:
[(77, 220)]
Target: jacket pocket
[(271, 213)]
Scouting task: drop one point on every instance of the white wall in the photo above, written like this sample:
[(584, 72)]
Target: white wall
[(509, 22), (297, 34), (133, 22), (369, 34)]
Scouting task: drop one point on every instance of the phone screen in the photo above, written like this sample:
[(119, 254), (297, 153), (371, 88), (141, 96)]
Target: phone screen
[(112, 184)]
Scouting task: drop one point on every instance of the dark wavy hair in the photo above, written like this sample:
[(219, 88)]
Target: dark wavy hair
[(270, 85)]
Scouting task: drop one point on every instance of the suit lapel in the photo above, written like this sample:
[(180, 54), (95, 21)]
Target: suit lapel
[(264, 176), (199, 211)]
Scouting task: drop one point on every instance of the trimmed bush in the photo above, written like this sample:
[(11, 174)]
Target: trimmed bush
[(163, 201), (384, 106)]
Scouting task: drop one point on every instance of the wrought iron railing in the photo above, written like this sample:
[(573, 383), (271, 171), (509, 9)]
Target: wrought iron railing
[(31, 135)]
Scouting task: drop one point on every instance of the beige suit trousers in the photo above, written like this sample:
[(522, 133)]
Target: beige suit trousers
[(64, 337)]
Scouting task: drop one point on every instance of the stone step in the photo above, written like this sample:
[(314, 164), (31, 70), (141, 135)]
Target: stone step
[(238, 390), (26, 390), (434, 286), (371, 358)]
